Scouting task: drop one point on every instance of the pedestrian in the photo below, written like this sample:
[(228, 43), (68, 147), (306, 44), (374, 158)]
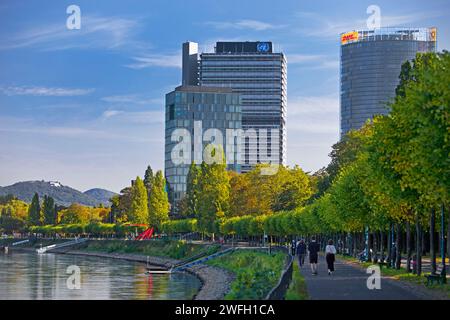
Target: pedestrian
[(293, 247), (301, 252), (313, 248), (330, 256)]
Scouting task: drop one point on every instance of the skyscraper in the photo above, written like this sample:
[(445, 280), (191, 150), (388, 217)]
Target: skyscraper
[(190, 64), (259, 75), (371, 61), (195, 118)]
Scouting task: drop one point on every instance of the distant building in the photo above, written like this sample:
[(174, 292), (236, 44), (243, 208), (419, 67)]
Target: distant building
[(371, 61), (196, 117), (259, 75)]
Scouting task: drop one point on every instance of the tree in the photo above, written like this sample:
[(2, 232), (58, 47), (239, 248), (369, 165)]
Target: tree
[(139, 203), (48, 209), (9, 222), (213, 203), (291, 189), (75, 213), (34, 212), (192, 191), (158, 202)]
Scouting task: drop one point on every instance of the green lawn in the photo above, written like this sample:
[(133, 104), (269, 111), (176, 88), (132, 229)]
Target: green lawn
[(257, 272), (297, 289), (159, 248)]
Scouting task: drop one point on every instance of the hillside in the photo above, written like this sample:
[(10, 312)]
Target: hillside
[(63, 195)]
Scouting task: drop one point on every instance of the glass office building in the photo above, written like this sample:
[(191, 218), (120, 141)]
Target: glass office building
[(195, 117), (370, 67), (258, 74)]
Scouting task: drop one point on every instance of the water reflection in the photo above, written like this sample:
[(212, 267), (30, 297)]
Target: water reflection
[(33, 276)]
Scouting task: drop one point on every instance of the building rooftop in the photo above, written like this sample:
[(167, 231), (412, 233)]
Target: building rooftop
[(204, 89), (389, 33)]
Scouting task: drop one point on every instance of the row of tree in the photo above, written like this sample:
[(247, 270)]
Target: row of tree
[(213, 193)]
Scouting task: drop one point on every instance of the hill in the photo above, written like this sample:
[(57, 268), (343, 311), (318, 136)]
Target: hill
[(63, 195)]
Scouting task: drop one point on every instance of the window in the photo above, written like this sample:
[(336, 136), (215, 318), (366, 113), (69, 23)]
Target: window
[(171, 112)]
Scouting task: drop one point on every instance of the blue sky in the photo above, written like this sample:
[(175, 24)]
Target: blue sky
[(85, 107)]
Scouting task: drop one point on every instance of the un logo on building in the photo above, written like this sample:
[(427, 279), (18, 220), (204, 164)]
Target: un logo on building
[(262, 47)]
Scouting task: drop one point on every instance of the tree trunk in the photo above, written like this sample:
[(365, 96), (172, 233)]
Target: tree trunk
[(369, 245), (418, 267), (398, 245), (389, 245), (432, 248), (408, 247)]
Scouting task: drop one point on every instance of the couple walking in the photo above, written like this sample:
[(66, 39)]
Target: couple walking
[(313, 249)]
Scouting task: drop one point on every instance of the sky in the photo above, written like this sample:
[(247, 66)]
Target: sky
[(86, 107)]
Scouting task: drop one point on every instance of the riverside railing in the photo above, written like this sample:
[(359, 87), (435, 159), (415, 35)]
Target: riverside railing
[(279, 291)]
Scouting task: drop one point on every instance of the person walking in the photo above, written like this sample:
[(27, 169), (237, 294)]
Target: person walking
[(330, 256), (313, 248), (293, 247), (301, 252)]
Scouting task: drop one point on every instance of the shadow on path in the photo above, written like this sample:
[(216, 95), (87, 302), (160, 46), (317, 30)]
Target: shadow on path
[(350, 283)]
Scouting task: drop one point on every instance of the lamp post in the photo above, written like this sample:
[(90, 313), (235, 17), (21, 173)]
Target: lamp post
[(443, 272)]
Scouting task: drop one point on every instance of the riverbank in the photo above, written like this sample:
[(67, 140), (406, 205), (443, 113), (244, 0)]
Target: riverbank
[(215, 282)]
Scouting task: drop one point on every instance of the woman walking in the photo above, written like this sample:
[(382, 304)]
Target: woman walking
[(330, 255)]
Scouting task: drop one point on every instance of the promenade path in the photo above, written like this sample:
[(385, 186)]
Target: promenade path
[(349, 282)]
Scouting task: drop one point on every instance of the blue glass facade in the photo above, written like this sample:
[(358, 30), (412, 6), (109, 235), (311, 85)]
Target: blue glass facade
[(190, 108)]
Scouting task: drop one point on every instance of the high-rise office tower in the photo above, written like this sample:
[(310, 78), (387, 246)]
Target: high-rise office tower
[(259, 75), (195, 118), (190, 64), (371, 62)]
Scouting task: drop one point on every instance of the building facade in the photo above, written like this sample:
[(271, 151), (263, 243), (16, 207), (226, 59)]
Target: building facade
[(196, 117), (259, 75), (370, 67)]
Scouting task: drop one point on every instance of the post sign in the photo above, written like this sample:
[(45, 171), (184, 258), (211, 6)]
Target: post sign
[(349, 36)]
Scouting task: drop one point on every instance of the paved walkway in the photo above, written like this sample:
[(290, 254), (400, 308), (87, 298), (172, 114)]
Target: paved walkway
[(350, 283)]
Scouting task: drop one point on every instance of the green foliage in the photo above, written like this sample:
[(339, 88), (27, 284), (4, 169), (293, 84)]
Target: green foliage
[(256, 272), (179, 226), (139, 203), (213, 197), (157, 248), (297, 289), (158, 202), (193, 190), (49, 211), (34, 212), (74, 214)]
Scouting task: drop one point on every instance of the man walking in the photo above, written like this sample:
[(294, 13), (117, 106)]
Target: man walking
[(301, 252), (313, 248)]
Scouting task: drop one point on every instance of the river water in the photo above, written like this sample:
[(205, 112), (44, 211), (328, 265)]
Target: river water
[(27, 275)]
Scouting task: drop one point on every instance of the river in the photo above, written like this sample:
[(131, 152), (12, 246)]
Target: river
[(29, 276)]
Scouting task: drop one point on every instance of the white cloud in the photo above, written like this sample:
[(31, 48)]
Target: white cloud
[(133, 99), (136, 117), (148, 61), (243, 24), (95, 32), (43, 91), (318, 26), (111, 113)]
